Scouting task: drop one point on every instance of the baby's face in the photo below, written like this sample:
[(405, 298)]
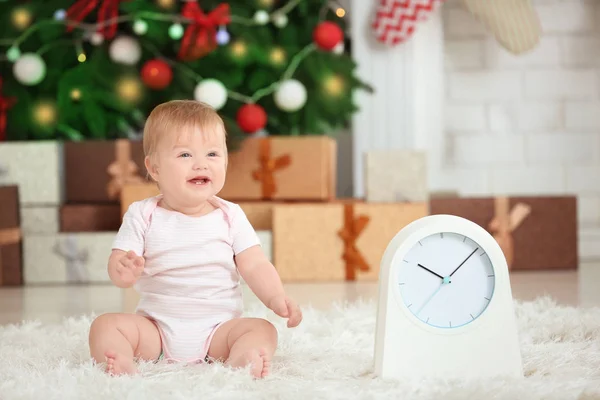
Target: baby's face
[(192, 166)]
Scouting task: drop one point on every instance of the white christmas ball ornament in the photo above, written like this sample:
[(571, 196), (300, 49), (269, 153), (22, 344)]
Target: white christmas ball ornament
[(280, 20), (290, 96), (211, 92), (125, 50), (339, 48), (261, 17), (29, 69)]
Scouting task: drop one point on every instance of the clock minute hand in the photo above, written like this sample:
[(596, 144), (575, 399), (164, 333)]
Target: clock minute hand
[(461, 264), (427, 269)]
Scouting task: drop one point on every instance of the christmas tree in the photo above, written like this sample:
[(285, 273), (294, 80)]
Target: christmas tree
[(94, 69)]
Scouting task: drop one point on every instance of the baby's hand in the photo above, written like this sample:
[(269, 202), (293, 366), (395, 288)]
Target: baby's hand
[(130, 267), (286, 308)]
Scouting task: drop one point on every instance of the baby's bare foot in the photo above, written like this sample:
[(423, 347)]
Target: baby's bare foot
[(259, 361), (118, 364)]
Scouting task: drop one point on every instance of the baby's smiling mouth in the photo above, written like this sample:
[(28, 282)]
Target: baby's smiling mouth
[(199, 180)]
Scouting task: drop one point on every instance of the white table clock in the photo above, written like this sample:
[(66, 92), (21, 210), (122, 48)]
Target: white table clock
[(445, 306)]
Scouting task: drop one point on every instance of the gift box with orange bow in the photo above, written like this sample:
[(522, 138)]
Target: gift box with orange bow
[(10, 237), (342, 240), (536, 232), (281, 168)]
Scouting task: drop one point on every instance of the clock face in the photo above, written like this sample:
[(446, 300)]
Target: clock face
[(446, 280)]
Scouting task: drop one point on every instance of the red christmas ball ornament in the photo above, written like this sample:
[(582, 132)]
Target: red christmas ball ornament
[(157, 74), (327, 35), (251, 118)]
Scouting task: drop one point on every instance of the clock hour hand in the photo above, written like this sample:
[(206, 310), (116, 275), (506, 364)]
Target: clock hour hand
[(461, 264), (427, 269)]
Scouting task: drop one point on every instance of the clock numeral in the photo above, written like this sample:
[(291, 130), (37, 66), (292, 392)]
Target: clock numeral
[(465, 238), (490, 276), (405, 261), (427, 320), (482, 254), (408, 306), (420, 243), (442, 234), (472, 316), (486, 298), (450, 324), (401, 283)]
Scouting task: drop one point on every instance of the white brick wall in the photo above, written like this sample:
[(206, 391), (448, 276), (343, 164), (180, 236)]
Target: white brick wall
[(527, 124)]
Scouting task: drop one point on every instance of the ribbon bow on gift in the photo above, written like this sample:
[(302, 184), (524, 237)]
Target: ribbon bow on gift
[(109, 10), (352, 229), (75, 259), (268, 166), (5, 104), (123, 170), (199, 38), (505, 222)]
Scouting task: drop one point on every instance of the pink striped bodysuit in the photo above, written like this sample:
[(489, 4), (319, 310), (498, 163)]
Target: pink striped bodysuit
[(190, 284)]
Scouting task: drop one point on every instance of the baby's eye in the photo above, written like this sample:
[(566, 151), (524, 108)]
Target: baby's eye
[(212, 154), (185, 155)]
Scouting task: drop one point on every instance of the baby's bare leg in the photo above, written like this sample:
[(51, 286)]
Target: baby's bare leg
[(118, 338), (245, 341)]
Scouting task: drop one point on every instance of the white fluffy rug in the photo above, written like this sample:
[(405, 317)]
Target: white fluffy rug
[(328, 357)]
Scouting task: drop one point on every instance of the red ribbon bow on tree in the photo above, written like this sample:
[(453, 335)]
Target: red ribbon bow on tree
[(199, 38), (5, 104), (108, 10)]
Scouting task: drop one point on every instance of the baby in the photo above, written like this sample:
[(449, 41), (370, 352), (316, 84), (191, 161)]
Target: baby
[(184, 251)]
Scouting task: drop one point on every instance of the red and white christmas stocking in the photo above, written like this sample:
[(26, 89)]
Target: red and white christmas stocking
[(396, 20)]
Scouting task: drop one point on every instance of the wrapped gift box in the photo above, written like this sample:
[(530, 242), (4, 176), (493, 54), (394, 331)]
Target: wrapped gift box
[(10, 237), (543, 237), (133, 192), (282, 168), (39, 220), (90, 217), (34, 167), (96, 171), (342, 240), (396, 176), (67, 257)]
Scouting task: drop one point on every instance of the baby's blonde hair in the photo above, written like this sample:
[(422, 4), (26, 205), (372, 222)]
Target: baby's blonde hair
[(177, 116)]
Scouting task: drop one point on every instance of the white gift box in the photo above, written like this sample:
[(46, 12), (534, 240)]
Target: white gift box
[(35, 220), (35, 167), (67, 257), (393, 176)]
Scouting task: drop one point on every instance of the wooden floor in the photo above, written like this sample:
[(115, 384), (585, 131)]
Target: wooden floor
[(52, 303)]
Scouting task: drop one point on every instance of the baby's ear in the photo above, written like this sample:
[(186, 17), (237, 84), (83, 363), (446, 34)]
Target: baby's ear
[(151, 168)]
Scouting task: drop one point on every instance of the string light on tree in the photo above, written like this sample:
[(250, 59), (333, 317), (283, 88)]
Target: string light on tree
[(44, 113), (140, 27), (75, 94), (261, 17), (290, 96), (239, 49), (334, 85), (96, 38), (211, 92), (60, 14), (125, 50), (165, 3), (277, 56), (222, 36), (176, 31), (13, 54), (280, 20), (129, 89), (157, 74), (21, 18), (29, 69)]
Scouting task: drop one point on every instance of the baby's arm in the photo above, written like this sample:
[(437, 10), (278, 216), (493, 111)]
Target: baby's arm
[(258, 272), (126, 261)]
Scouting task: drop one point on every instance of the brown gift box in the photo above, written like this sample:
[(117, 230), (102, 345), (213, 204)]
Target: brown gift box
[(10, 237), (342, 240), (544, 236), (282, 168), (133, 192), (90, 217), (95, 171)]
